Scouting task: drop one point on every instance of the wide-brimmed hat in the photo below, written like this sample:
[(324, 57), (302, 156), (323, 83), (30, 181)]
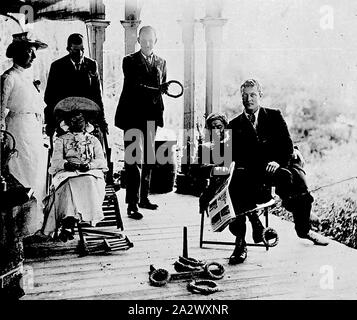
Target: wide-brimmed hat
[(19, 39), (72, 104)]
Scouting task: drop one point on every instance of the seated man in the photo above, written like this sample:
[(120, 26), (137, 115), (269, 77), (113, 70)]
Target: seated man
[(215, 157), (263, 154), (78, 187)]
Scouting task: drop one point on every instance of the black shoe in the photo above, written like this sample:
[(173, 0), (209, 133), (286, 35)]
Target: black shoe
[(238, 256), (69, 222), (146, 204), (65, 235), (134, 213)]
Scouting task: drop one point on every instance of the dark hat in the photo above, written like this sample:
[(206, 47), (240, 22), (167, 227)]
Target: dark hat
[(216, 116), (19, 39), (71, 104)]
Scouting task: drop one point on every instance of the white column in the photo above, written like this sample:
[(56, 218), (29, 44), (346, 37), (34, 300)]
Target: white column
[(213, 24), (131, 24), (96, 37), (188, 39)]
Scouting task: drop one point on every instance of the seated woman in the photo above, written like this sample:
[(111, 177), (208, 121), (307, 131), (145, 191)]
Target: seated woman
[(78, 185)]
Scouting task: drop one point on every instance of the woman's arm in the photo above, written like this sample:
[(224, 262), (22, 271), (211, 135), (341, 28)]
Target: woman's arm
[(6, 86)]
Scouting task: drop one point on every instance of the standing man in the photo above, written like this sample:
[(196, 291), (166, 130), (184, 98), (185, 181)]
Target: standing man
[(139, 113), (73, 75), (264, 156)]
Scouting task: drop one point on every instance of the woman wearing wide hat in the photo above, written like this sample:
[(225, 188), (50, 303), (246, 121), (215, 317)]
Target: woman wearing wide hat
[(22, 116)]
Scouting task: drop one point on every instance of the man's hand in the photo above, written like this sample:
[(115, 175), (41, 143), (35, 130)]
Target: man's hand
[(71, 166), (272, 166), (164, 87)]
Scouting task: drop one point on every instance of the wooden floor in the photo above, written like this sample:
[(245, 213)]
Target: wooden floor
[(295, 269)]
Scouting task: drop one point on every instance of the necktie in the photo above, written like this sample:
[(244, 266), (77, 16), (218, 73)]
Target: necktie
[(77, 66), (251, 118), (150, 59)]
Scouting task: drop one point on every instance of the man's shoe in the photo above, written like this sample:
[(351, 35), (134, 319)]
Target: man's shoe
[(238, 256), (133, 212), (146, 204), (316, 239), (136, 215)]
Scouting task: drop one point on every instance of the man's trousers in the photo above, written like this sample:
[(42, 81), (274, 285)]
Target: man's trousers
[(139, 159), (250, 186)]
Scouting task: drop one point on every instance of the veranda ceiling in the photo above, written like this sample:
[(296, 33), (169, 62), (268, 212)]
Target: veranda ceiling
[(55, 9)]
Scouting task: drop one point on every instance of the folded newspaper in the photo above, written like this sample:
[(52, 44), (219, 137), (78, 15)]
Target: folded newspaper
[(220, 209)]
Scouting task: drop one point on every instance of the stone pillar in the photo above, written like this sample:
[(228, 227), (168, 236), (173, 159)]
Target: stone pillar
[(188, 38), (185, 182), (131, 24), (96, 37), (213, 24)]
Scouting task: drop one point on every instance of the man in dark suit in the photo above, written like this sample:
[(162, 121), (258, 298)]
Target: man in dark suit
[(73, 75), (139, 113), (264, 156)]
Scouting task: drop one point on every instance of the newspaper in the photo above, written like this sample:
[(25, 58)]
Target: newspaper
[(220, 209)]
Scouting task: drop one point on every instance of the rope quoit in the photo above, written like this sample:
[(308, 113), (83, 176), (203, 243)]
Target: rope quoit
[(191, 262), (159, 277), (270, 232), (168, 84), (203, 286), (214, 273), (182, 267)]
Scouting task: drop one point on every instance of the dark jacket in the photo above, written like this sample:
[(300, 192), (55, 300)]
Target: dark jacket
[(270, 141), (65, 81), (138, 103)]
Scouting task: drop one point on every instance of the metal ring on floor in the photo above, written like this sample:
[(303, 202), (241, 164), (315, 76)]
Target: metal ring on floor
[(159, 277), (191, 262), (215, 273), (274, 233), (203, 286), (181, 267)]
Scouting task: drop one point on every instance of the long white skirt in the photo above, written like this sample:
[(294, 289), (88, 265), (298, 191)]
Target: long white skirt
[(29, 164), (80, 197)]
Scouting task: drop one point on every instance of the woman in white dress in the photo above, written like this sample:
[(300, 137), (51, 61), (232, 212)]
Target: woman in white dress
[(78, 186), (23, 107)]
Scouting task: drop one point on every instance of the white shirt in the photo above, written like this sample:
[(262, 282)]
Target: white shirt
[(19, 94), (79, 64)]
